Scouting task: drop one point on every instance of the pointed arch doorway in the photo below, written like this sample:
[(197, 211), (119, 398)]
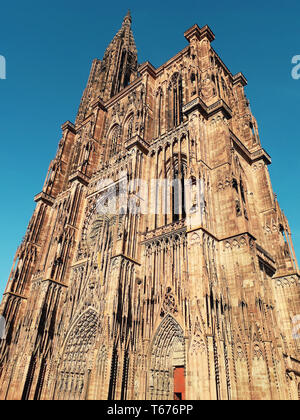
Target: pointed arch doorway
[(167, 365)]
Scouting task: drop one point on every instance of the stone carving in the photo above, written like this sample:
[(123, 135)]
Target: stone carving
[(288, 281), (168, 340), (155, 305), (169, 304), (74, 362)]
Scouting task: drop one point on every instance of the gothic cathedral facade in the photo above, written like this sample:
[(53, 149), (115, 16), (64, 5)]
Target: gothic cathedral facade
[(157, 264)]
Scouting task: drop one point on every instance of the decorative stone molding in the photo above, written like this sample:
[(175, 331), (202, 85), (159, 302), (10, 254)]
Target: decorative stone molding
[(287, 281), (45, 198), (208, 111), (165, 231), (169, 303), (80, 177)]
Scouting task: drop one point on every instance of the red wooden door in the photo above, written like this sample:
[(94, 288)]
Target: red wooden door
[(179, 383)]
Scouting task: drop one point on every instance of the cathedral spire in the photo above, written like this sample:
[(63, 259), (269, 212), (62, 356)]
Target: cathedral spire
[(118, 68), (127, 19), (119, 64)]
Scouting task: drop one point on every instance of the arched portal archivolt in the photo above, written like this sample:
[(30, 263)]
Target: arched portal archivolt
[(74, 371), (167, 354)]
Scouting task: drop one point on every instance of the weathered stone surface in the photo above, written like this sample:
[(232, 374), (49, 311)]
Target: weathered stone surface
[(107, 304)]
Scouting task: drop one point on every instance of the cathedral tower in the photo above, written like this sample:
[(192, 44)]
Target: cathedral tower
[(157, 263), (117, 69)]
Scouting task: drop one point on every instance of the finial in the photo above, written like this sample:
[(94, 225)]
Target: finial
[(127, 18)]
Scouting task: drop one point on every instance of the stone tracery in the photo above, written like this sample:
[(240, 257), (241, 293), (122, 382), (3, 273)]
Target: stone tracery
[(73, 368), (168, 351), (159, 284)]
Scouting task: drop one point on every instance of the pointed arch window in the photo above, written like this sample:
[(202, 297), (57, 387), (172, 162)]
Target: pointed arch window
[(176, 171), (242, 191), (114, 141), (159, 111), (193, 84), (224, 86), (130, 127), (213, 79), (175, 101)]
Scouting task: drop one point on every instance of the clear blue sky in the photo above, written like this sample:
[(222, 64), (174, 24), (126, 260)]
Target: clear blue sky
[(49, 47)]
